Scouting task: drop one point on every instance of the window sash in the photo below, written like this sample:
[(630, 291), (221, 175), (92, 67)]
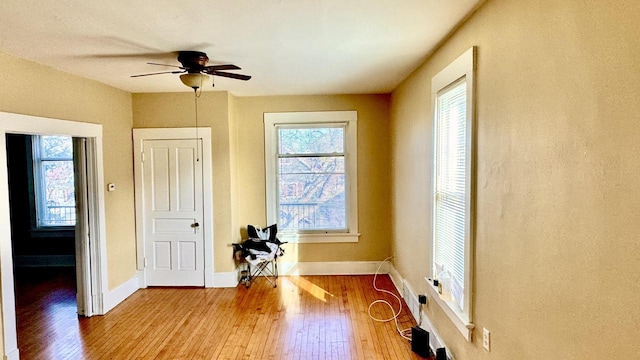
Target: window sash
[(313, 215), (451, 186), (59, 214)]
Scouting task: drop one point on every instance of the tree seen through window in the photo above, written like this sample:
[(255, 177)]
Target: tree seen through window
[(55, 189), (311, 178)]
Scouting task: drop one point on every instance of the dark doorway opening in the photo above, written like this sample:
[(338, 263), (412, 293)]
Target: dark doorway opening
[(43, 257)]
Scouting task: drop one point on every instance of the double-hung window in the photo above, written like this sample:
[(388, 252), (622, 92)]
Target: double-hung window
[(311, 175), (54, 181), (452, 200)]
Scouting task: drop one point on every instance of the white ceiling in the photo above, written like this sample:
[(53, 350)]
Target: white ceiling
[(289, 47)]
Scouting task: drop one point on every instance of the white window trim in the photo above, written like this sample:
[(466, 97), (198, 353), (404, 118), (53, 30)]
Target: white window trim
[(451, 309), (271, 120), (463, 66)]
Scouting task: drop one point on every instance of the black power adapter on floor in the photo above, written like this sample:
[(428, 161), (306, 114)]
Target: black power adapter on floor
[(441, 354), (420, 341)]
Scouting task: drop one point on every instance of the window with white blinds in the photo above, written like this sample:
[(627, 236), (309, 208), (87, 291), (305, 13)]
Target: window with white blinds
[(452, 186)]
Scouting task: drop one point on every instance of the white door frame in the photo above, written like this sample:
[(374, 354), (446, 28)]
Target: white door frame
[(34, 125), (204, 133), (83, 268)]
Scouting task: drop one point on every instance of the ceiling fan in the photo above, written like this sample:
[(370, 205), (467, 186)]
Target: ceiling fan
[(194, 63)]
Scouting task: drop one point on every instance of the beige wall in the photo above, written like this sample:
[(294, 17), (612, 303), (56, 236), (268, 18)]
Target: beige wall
[(557, 246), (32, 89), (41, 91), (373, 175), (158, 110), (557, 112)]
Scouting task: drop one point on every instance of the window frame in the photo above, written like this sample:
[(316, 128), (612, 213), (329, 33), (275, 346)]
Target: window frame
[(39, 185), (348, 119), (461, 68), (280, 156)]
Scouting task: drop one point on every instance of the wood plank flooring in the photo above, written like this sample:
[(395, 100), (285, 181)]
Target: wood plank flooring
[(305, 317)]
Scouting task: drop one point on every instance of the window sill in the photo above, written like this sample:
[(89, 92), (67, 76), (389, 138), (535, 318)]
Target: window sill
[(319, 238), (452, 310)]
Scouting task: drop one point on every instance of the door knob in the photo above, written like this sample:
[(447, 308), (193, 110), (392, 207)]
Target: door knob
[(195, 225)]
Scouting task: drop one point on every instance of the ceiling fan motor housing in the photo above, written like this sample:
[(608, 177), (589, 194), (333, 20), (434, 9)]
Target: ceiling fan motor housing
[(193, 61)]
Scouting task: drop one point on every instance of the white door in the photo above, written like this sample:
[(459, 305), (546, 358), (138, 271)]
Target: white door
[(173, 213)]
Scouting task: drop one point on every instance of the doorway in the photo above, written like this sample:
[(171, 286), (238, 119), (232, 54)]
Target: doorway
[(174, 221), (91, 255), (42, 211)]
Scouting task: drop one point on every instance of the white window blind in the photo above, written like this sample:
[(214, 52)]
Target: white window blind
[(451, 187)]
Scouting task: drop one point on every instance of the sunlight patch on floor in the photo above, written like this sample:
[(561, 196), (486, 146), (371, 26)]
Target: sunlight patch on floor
[(313, 289)]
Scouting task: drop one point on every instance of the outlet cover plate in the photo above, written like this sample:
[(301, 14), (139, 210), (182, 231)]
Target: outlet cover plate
[(486, 339)]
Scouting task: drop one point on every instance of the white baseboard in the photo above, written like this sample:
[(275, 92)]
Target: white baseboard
[(231, 278), (119, 294), (332, 268), (12, 355), (225, 279)]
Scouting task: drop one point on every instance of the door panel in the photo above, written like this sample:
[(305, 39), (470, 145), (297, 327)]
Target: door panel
[(159, 177), (173, 213), (186, 176), (162, 255), (168, 226), (187, 256)]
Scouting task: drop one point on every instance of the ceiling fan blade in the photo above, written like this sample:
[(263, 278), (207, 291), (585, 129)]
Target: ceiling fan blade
[(210, 68), (162, 72), (231, 75), (151, 63)]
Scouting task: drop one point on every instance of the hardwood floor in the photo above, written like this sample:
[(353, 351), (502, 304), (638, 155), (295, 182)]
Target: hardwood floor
[(305, 317)]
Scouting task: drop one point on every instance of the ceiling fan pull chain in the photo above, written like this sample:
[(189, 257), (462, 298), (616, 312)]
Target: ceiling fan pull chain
[(195, 98)]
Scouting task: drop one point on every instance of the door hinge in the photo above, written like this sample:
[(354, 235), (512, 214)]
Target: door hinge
[(142, 155), (145, 262)]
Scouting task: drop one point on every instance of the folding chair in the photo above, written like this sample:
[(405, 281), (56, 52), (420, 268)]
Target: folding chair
[(260, 253)]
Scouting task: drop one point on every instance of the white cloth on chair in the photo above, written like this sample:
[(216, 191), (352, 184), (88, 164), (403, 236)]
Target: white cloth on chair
[(257, 256)]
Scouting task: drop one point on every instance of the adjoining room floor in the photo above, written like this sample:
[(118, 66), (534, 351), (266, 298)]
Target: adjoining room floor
[(305, 317), (46, 312)]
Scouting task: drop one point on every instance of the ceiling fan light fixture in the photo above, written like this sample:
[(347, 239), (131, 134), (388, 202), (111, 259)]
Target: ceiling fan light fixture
[(194, 80)]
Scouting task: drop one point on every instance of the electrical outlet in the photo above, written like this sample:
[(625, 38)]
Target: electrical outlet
[(486, 339)]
